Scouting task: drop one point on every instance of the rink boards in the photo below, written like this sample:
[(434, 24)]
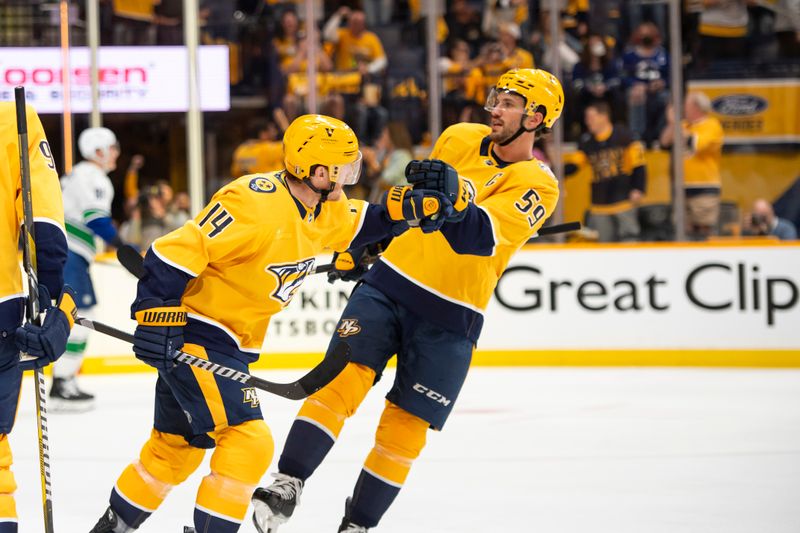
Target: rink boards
[(723, 304)]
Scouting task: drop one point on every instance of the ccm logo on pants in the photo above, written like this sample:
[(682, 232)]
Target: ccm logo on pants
[(432, 394)]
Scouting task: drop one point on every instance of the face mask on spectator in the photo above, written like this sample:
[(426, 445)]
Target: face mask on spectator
[(648, 40), (597, 49)]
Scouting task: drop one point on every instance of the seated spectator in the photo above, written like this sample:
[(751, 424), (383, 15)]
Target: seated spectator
[(763, 221), (178, 211), (646, 78), (516, 57), (596, 76), (263, 152), (703, 135)]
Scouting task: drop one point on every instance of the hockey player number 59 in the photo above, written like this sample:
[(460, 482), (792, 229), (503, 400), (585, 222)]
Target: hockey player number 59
[(219, 219), (529, 205)]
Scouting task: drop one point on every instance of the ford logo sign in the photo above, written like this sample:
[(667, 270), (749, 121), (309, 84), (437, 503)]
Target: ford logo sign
[(739, 104)]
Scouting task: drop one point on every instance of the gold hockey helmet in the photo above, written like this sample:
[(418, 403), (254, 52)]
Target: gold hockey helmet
[(312, 140), (538, 88)]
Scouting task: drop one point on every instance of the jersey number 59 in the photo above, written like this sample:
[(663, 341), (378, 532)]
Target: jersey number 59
[(530, 206)]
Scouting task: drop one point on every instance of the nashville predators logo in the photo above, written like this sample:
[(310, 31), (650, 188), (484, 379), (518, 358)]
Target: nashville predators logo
[(348, 327), (290, 277), (251, 397), (261, 184)]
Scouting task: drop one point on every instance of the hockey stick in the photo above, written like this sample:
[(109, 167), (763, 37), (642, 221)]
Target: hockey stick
[(558, 228), (315, 379), (133, 262), (32, 303)]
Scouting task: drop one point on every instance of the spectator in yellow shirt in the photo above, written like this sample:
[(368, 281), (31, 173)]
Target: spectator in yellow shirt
[(261, 154), (703, 136), (356, 48)]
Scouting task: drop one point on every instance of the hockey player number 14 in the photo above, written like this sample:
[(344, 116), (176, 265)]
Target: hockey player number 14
[(529, 205), (219, 219)]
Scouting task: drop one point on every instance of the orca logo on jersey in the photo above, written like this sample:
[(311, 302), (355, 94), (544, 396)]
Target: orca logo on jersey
[(290, 277), (347, 327), (251, 397), (262, 184)]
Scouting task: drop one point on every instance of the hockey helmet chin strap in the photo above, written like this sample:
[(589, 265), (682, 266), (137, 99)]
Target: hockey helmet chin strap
[(322, 192)]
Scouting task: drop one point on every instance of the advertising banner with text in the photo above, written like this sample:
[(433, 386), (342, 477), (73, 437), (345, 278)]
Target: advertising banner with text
[(572, 298), (132, 79)]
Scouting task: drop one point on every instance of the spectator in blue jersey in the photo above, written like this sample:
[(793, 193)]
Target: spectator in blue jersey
[(646, 80), (596, 76)]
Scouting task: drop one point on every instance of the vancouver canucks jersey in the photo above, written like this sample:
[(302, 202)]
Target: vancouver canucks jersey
[(88, 194), (448, 277), (243, 258), (46, 201)]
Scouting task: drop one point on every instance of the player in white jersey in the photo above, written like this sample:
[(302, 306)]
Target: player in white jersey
[(87, 193)]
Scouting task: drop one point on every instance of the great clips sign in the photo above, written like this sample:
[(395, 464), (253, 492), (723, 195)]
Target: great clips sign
[(140, 79), (648, 297)]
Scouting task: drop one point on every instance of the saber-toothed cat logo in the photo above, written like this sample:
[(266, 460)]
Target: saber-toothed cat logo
[(290, 277)]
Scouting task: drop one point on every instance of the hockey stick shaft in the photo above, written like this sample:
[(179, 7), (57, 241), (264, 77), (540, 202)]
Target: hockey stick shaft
[(32, 303), (558, 228), (314, 380)]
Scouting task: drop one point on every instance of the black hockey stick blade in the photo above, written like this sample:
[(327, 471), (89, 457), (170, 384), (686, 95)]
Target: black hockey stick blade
[(559, 228), (132, 260), (315, 379)]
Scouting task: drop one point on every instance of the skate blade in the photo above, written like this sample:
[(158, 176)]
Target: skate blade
[(267, 523), (57, 405)]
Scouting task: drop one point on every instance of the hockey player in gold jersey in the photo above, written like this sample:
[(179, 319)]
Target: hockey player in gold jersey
[(424, 301), (228, 271), (48, 341)]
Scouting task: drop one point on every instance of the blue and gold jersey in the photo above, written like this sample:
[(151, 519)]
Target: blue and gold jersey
[(48, 212), (246, 254), (448, 277)]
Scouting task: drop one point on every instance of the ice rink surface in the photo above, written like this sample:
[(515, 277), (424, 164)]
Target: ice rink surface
[(553, 450)]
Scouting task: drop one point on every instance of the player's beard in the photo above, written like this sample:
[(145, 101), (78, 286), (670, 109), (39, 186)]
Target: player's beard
[(506, 131)]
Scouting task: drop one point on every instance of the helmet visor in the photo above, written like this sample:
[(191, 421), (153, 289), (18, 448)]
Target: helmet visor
[(348, 173), (505, 101)]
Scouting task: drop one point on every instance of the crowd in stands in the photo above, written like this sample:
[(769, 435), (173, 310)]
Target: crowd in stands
[(370, 61)]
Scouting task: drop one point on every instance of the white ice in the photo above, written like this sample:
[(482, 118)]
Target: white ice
[(526, 450)]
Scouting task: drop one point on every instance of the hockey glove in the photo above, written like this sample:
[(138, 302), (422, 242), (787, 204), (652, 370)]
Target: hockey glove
[(348, 266), (437, 175), (417, 207), (160, 331), (48, 341)]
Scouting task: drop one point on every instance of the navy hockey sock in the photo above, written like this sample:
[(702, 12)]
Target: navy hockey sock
[(305, 448)]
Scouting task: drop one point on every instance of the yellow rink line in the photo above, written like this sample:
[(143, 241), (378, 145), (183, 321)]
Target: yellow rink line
[(118, 364)]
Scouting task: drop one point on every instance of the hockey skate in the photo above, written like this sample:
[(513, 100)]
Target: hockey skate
[(65, 396), (347, 526), (111, 523), (274, 505)]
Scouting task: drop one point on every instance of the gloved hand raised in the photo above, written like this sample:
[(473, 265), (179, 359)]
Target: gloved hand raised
[(47, 342), (160, 331), (436, 175), (417, 207)]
